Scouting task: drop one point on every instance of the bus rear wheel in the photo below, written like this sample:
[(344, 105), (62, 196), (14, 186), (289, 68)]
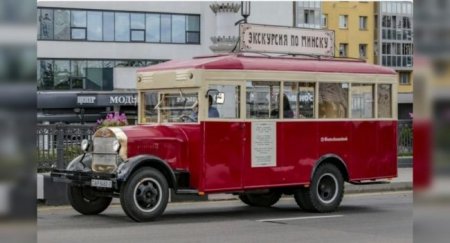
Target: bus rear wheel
[(260, 200), (325, 192)]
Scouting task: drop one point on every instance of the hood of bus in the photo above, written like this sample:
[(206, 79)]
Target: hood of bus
[(166, 141)]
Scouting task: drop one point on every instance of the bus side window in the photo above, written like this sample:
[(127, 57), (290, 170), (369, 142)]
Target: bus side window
[(362, 100), (231, 106), (306, 100), (263, 100), (333, 100), (290, 100), (384, 100)]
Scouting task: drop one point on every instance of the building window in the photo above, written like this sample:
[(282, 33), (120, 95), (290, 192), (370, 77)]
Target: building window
[(166, 28), (363, 22), (152, 30), (78, 25), (108, 26), (62, 25), (308, 16), (90, 25), (137, 27), (343, 21), (178, 28), (122, 27), (94, 26), (324, 21), (193, 29), (343, 49), (46, 24), (404, 78), (363, 51)]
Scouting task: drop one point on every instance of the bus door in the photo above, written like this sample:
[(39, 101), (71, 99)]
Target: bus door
[(223, 137)]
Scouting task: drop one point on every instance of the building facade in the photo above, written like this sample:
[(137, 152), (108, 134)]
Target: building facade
[(394, 32), (353, 25), (378, 32), (88, 52)]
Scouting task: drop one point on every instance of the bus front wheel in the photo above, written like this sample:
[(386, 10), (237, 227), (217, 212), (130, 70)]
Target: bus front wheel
[(145, 195), (325, 192)]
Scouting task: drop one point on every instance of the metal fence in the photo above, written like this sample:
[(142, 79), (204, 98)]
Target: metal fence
[(59, 143), (405, 138)]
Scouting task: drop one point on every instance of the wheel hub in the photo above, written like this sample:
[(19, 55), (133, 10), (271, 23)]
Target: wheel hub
[(327, 188), (147, 194)]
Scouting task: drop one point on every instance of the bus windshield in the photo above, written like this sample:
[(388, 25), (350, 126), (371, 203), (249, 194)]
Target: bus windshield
[(171, 106)]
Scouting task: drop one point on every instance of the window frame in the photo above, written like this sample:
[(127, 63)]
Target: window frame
[(345, 19), (365, 21), (187, 41), (345, 45), (365, 50)]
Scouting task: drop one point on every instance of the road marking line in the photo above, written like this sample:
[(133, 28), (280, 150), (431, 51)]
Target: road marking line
[(300, 218)]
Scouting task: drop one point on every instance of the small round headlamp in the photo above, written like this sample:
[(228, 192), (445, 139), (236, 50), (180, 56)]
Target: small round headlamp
[(116, 145), (85, 145)]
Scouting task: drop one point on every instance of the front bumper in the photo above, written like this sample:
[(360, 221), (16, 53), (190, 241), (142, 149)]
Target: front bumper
[(82, 178)]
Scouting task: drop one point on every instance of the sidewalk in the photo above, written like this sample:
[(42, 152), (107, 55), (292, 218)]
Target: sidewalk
[(402, 182)]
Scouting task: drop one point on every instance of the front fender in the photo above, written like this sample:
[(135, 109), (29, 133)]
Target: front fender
[(132, 164), (82, 162)]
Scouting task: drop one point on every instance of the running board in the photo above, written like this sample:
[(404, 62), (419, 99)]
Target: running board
[(369, 182), (186, 191)]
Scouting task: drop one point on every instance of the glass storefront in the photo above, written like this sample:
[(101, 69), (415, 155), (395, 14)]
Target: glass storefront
[(65, 74)]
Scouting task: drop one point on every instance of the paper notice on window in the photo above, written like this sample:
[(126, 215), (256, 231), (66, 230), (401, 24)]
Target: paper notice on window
[(264, 136)]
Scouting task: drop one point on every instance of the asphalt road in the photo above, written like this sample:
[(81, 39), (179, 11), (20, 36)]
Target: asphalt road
[(382, 217)]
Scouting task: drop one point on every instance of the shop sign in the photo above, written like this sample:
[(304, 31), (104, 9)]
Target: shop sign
[(286, 40)]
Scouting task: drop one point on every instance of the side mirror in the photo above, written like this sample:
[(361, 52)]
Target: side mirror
[(220, 98)]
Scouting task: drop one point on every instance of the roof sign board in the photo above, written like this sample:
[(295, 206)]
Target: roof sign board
[(286, 40)]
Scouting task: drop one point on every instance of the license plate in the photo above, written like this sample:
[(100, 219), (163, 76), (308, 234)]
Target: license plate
[(101, 183)]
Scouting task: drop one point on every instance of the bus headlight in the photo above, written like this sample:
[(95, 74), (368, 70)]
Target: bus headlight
[(85, 144), (116, 145)]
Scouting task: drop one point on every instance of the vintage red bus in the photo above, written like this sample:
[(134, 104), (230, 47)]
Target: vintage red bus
[(255, 126)]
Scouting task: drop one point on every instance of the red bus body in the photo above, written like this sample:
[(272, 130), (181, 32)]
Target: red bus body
[(217, 154), (224, 164)]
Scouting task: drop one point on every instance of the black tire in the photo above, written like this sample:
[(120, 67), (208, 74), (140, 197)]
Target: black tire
[(243, 197), (145, 195), (85, 202), (325, 192), (301, 197), (262, 200)]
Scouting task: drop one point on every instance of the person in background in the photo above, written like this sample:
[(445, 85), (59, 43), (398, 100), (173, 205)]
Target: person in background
[(212, 111), (287, 111)]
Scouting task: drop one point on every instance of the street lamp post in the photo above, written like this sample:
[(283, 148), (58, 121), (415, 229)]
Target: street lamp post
[(245, 11)]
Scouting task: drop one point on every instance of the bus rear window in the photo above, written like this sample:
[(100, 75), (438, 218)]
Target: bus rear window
[(384, 100)]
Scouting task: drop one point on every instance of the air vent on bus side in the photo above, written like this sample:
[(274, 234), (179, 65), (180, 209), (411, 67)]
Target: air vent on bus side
[(182, 75)]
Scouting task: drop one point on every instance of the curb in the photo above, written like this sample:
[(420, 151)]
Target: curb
[(405, 162), (389, 187)]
